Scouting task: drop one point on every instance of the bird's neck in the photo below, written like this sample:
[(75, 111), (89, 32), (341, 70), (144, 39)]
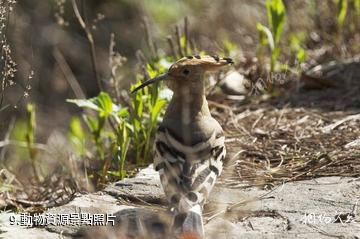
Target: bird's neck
[(188, 103), (184, 115)]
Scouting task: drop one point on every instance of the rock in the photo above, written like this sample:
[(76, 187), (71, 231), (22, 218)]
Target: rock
[(135, 223), (145, 187), (303, 209), (88, 204), (234, 84), (334, 74), (16, 231), (315, 208)]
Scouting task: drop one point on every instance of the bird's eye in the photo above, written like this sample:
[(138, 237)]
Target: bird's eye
[(186, 72)]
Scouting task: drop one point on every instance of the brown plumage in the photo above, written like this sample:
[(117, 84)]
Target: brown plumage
[(189, 144)]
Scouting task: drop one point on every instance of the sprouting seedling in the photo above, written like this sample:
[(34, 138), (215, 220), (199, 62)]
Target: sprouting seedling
[(271, 36)]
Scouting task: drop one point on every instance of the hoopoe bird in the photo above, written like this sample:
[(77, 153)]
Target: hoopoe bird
[(189, 144)]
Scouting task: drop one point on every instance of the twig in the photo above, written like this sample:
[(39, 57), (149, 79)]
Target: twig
[(149, 40), (111, 66), (7, 136), (219, 105), (178, 40), (10, 180), (279, 118), (141, 58), (237, 154), (115, 62), (192, 45), (69, 76), (257, 121), (211, 89), (242, 202), (353, 144), (330, 127), (172, 47), (23, 144), (186, 33), (318, 229), (90, 38)]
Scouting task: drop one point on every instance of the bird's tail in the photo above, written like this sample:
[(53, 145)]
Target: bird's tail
[(190, 224)]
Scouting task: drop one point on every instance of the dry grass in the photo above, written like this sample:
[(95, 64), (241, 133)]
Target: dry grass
[(53, 191), (271, 142)]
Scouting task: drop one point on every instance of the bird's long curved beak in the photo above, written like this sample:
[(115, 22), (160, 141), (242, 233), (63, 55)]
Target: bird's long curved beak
[(153, 80)]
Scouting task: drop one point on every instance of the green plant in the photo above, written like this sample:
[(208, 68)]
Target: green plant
[(347, 9), (102, 104), (180, 43), (137, 126), (146, 106), (77, 136), (342, 8), (121, 148), (114, 142), (271, 36), (30, 137), (229, 47), (296, 46), (356, 5)]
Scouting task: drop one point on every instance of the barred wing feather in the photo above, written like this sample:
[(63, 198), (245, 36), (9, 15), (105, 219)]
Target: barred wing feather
[(188, 173)]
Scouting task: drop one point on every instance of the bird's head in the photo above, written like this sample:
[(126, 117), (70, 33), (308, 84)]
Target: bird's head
[(189, 71)]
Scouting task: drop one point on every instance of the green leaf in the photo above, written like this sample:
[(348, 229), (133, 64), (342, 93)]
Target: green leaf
[(91, 122), (77, 136), (301, 55), (151, 71), (123, 113), (19, 131), (276, 17), (19, 134), (31, 123), (229, 47), (296, 42), (265, 36), (154, 93), (84, 103), (137, 103), (101, 103), (159, 105), (103, 100), (356, 4), (274, 56), (146, 107), (342, 7), (76, 129), (114, 173)]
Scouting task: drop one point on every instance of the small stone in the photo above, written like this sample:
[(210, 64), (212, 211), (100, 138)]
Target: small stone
[(234, 84)]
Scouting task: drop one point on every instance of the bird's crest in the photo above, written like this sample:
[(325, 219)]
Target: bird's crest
[(182, 66), (205, 61)]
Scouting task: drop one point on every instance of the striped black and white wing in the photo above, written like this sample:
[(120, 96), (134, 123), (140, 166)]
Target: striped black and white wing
[(188, 173)]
